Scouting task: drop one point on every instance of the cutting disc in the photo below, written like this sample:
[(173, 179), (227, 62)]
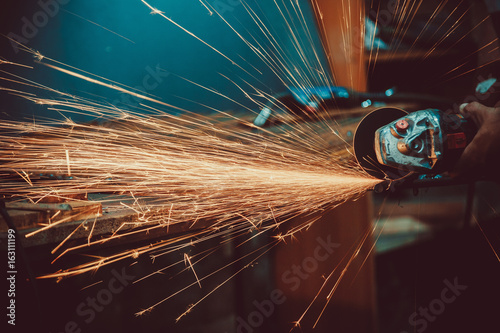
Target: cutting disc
[(364, 140)]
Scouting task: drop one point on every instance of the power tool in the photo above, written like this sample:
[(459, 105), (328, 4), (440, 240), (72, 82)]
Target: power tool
[(395, 145)]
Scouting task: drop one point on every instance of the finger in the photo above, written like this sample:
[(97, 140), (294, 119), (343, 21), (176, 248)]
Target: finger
[(468, 160), (475, 111), (474, 155), (461, 108)]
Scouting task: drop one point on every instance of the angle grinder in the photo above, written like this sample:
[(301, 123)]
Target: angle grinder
[(396, 145)]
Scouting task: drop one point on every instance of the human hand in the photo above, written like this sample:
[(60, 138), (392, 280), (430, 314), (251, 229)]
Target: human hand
[(481, 158)]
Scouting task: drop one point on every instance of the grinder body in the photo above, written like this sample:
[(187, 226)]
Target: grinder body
[(392, 144)]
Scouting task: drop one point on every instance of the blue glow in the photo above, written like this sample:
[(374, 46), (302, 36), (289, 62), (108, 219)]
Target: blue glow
[(123, 42), (306, 96)]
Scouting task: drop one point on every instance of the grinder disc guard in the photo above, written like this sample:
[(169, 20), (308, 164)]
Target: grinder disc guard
[(364, 141)]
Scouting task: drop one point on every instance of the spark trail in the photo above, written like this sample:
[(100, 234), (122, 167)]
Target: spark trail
[(182, 163), (179, 171)]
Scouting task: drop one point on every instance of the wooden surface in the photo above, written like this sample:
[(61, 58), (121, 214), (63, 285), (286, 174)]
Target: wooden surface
[(28, 216), (90, 218), (352, 306), (342, 27)]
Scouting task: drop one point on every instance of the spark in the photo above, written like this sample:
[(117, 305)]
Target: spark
[(162, 14), (99, 25), (91, 285), (204, 5), (187, 260), (67, 162), (67, 238), (224, 282), (24, 176), (6, 62), (55, 215), (487, 239), (108, 85), (155, 11), (91, 230), (265, 249), (169, 216), (38, 56)]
